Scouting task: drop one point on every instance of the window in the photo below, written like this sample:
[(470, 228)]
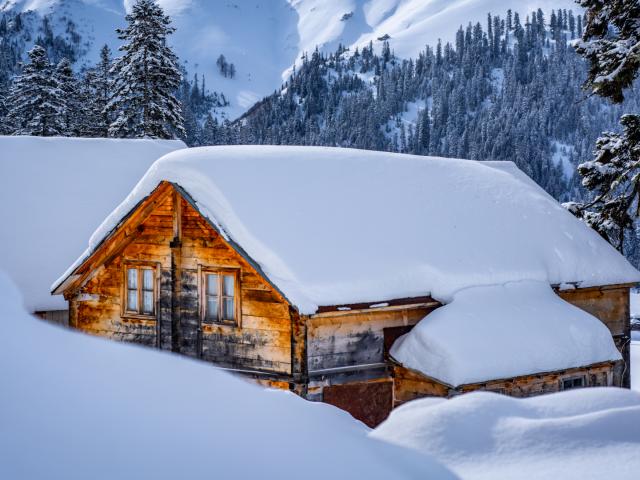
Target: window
[(140, 291), (219, 297), (573, 382)]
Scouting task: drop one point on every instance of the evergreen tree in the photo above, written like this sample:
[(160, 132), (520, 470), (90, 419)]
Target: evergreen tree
[(35, 101), (146, 78), (611, 42), (71, 108), (4, 124), (100, 81), (613, 176)]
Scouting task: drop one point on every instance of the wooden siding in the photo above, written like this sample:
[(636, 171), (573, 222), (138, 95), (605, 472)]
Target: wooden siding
[(59, 317), (370, 402), (344, 347), (179, 248), (347, 339), (611, 305), (409, 384)]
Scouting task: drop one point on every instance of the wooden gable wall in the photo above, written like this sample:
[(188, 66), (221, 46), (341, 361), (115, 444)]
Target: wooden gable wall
[(178, 240)]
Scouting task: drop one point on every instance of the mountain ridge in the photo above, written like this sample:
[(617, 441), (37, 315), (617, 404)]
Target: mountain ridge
[(264, 39)]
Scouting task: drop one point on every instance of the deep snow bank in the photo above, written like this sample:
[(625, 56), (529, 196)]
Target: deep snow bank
[(77, 407), (635, 361), (592, 433), (504, 331), (54, 192)]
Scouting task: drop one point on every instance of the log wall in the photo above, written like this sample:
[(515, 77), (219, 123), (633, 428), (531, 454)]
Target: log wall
[(611, 305), (260, 343), (349, 346), (410, 385)]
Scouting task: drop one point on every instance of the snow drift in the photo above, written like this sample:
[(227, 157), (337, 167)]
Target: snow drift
[(333, 226), (77, 407), (504, 331), (592, 433), (54, 192)]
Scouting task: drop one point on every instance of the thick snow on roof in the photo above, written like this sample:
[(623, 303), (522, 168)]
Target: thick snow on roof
[(78, 407), (591, 433), (54, 192), (332, 226), (503, 331)]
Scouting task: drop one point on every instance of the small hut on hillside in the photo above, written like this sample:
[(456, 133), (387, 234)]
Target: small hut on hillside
[(308, 268)]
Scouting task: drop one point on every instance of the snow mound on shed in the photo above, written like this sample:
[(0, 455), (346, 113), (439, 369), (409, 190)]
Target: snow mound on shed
[(592, 433), (331, 226), (504, 331), (78, 407), (54, 192)]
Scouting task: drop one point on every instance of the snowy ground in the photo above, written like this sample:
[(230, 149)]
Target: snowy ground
[(77, 407), (590, 433), (635, 361)]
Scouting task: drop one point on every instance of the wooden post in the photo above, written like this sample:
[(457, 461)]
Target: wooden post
[(176, 273), (299, 367)]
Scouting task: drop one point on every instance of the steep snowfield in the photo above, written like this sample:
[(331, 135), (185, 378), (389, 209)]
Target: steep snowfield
[(592, 433), (55, 192), (263, 38), (77, 407)]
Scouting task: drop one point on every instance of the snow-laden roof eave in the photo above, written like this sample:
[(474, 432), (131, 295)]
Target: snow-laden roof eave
[(218, 228), (70, 276)]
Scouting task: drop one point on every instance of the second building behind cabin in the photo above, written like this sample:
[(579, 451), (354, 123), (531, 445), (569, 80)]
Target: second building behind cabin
[(300, 267)]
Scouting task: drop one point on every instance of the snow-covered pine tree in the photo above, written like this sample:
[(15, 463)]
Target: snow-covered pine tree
[(611, 43), (101, 81), (613, 177), (67, 83), (35, 101), (4, 122), (146, 78)]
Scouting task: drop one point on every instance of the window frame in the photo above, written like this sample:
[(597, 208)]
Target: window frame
[(572, 379), (203, 271), (140, 266)]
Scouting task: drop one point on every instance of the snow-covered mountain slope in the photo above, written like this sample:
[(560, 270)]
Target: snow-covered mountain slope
[(263, 38)]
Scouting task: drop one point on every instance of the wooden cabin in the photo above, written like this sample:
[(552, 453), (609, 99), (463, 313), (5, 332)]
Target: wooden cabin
[(174, 270)]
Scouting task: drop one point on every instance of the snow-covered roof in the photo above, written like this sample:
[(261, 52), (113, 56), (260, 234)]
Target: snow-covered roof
[(504, 331), (332, 226), (78, 407), (54, 192)]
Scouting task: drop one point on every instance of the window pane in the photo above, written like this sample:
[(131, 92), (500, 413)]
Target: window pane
[(212, 284), (132, 300), (147, 279), (227, 285), (227, 309), (132, 278), (147, 302), (212, 308)]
